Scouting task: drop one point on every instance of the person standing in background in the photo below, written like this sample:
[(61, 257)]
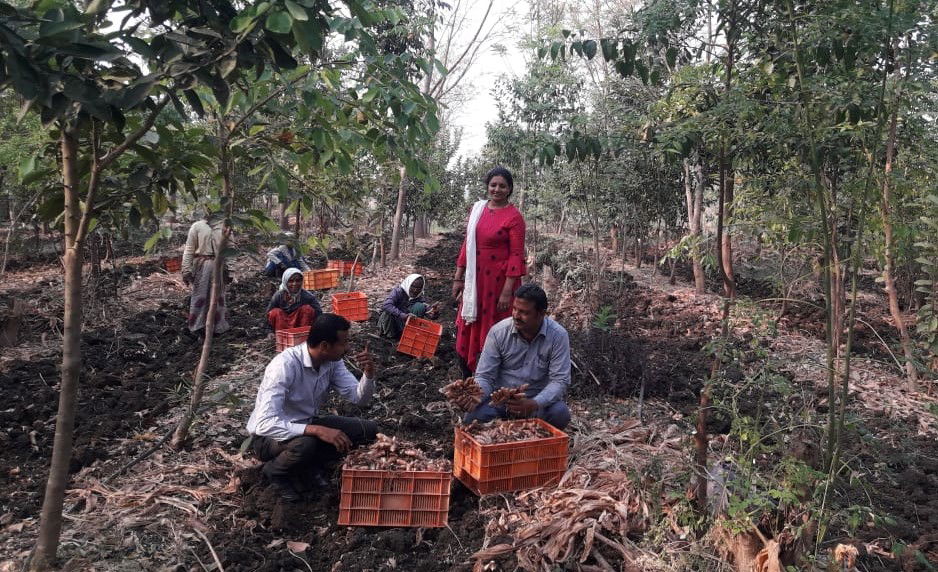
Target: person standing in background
[(198, 261)]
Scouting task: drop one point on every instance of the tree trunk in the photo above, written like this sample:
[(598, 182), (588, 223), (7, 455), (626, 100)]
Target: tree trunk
[(421, 226), (198, 379), (398, 215), (284, 222), (299, 216), (890, 254), (727, 178), (94, 245), (50, 526), (694, 182)]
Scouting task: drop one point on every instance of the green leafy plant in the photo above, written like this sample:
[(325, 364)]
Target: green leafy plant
[(604, 318)]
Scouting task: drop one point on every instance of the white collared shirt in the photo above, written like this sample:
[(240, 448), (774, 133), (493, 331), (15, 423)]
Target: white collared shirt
[(293, 391)]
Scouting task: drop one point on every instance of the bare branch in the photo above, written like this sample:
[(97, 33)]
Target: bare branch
[(469, 47)]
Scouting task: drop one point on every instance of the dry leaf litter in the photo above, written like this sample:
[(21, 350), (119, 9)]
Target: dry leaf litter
[(586, 520)]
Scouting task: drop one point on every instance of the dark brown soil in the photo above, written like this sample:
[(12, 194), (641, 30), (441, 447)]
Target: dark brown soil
[(132, 373)]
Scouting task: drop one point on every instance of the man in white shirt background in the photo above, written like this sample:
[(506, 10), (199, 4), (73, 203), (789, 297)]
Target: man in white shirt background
[(288, 432)]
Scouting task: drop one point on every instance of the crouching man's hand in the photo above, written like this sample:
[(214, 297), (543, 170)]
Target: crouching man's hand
[(523, 407), (334, 437)]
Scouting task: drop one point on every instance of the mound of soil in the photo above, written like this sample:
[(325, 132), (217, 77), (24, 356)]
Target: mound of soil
[(133, 372)]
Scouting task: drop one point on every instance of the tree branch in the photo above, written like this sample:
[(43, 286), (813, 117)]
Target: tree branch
[(237, 125), (472, 43)]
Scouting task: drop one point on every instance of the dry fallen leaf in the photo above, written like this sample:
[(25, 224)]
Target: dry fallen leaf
[(297, 546), (275, 543), (846, 556)]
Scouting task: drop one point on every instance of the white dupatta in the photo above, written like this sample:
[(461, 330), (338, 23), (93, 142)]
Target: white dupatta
[(470, 306)]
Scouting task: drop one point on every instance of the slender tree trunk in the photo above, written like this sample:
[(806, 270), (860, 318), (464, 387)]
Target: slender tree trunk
[(885, 207), (726, 243), (284, 222), (50, 526), (522, 184), (198, 382), (299, 217), (94, 246), (694, 182), (218, 283), (727, 176), (421, 226), (398, 215)]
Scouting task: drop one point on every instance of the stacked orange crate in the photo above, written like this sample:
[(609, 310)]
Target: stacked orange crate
[(352, 305), (388, 498), (289, 337), (420, 337), (515, 466), (321, 279), (172, 264), (346, 267)]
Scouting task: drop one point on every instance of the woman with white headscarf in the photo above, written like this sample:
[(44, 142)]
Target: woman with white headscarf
[(292, 306), (403, 301)]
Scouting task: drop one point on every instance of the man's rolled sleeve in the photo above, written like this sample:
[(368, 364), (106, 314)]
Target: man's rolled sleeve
[(558, 374)]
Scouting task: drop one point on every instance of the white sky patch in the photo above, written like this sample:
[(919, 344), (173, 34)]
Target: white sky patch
[(480, 108)]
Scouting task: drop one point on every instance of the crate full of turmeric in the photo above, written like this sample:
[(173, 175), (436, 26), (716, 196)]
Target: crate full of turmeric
[(394, 483), (509, 456)]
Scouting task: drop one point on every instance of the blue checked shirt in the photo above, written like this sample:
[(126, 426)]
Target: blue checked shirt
[(508, 360), (293, 391)]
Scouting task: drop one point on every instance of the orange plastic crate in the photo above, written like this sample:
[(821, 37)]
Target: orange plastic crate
[(173, 264), (346, 267), (321, 279), (420, 337), (387, 498), (289, 337), (506, 467), (352, 305)]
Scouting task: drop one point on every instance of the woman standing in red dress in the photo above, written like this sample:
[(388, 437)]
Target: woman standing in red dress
[(490, 266)]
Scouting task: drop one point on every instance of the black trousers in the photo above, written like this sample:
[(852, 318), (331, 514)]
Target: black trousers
[(307, 453)]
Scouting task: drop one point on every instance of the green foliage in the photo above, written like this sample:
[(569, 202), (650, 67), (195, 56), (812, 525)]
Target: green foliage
[(226, 63), (604, 318)]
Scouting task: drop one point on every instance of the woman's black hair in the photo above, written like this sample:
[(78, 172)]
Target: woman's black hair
[(501, 172), (326, 328)]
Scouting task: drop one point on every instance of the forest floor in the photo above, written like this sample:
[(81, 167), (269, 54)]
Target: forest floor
[(206, 507)]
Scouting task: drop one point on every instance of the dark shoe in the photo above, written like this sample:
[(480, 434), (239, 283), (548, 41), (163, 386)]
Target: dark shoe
[(283, 486)]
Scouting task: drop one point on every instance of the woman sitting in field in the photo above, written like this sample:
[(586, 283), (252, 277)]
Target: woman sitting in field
[(403, 301), (292, 306)]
